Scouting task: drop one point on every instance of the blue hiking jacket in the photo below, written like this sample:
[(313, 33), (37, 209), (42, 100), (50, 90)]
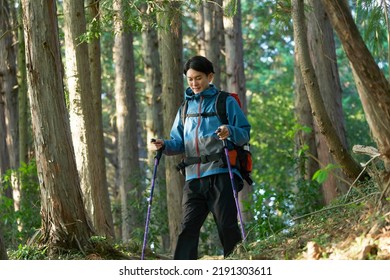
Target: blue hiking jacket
[(198, 138)]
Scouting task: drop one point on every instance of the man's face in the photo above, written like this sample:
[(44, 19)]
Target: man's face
[(198, 81)]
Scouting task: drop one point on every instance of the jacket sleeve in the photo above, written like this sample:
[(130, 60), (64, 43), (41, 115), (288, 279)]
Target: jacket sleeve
[(175, 145), (239, 127)]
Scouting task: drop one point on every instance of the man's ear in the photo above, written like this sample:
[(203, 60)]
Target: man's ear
[(210, 77)]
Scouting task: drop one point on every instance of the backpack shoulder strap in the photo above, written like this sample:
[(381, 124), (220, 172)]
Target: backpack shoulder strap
[(184, 115), (220, 106), (184, 106)]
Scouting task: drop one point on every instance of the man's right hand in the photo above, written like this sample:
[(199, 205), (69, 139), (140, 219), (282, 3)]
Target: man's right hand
[(156, 144)]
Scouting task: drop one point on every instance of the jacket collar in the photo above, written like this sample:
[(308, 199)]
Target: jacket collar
[(212, 90)]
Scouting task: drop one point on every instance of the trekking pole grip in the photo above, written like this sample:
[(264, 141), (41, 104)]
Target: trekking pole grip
[(224, 141), (159, 151), (158, 154)]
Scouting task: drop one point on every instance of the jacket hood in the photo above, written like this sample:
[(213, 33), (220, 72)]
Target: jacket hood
[(212, 90)]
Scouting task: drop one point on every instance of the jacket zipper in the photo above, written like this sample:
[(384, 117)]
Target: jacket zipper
[(197, 134)]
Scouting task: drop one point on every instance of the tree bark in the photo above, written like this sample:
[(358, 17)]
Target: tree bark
[(373, 87), (64, 219), (102, 216), (323, 56), (8, 84), (126, 118), (235, 76), (306, 165), (154, 115), (350, 167), (200, 32), (9, 160), (212, 12), (170, 43), (373, 80), (5, 43), (23, 109), (3, 248), (83, 118)]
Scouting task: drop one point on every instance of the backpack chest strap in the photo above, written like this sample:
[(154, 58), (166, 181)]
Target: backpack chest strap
[(203, 159), (205, 115)]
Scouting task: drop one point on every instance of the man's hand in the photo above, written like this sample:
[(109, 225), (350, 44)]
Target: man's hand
[(156, 144), (222, 132)]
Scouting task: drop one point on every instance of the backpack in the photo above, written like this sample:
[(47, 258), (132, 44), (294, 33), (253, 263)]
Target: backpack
[(240, 156)]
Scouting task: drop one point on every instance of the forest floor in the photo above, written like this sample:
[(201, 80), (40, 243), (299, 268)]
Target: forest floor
[(354, 227)]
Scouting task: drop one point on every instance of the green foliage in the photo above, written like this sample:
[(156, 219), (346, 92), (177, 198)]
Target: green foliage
[(158, 226), (278, 194), (333, 227), (26, 252), (138, 15), (209, 243), (272, 149), (306, 197), (357, 129), (322, 174), (370, 19), (230, 8), (20, 225)]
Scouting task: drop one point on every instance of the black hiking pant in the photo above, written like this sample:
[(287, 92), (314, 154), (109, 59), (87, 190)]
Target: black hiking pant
[(200, 196)]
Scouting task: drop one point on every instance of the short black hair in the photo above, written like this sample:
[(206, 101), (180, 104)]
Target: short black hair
[(199, 63)]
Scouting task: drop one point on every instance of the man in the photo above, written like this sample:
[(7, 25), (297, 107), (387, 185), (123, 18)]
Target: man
[(199, 135)]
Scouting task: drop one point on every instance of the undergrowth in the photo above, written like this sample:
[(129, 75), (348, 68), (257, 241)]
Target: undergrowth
[(342, 224), (355, 226)]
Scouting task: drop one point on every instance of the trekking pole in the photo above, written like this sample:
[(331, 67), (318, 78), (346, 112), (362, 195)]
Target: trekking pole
[(234, 188), (156, 162)]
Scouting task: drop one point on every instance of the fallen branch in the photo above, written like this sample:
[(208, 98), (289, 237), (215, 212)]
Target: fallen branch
[(366, 150)]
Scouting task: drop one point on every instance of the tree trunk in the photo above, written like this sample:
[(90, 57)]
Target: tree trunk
[(306, 165), (24, 135), (235, 76), (102, 216), (350, 167), (9, 104), (126, 111), (384, 180), (234, 54), (8, 84), (154, 116), (64, 219), (220, 79), (375, 88), (170, 43), (212, 12), (83, 117), (377, 109), (3, 248), (323, 56), (200, 32), (4, 157)]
